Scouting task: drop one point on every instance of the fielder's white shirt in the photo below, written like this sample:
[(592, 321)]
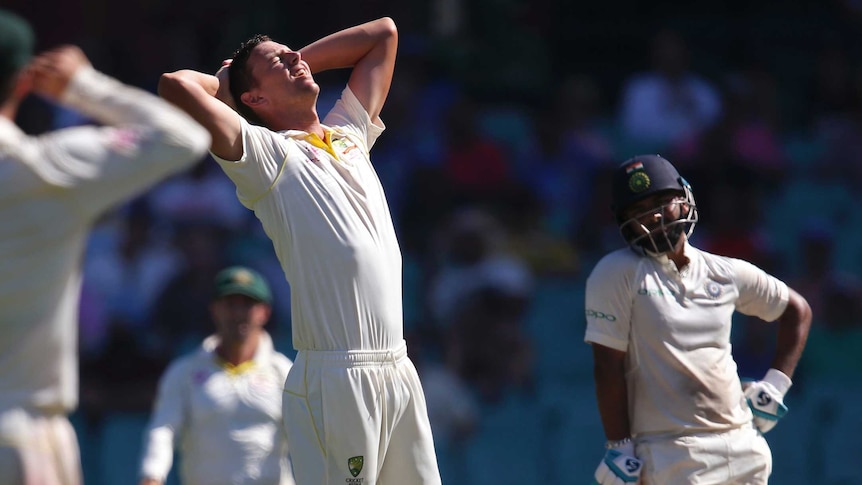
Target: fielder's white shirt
[(52, 189), (329, 222), (675, 328), (227, 420)]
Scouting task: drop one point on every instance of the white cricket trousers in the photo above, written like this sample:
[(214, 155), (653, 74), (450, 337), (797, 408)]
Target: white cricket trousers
[(739, 456), (358, 418), (38, 449)]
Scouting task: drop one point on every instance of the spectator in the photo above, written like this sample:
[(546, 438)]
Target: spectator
[(129, 277), (474, 258), (662, 106), (203, 195), (490, 349)]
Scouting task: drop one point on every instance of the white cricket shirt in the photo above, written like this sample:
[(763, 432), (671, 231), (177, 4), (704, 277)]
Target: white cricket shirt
[(675, 328), (52, 189), (227, 420), (329, 222)]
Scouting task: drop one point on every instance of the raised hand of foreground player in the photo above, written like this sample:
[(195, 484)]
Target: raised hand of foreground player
[(223, 93), (619, 466), (53, 69), (766, 398)]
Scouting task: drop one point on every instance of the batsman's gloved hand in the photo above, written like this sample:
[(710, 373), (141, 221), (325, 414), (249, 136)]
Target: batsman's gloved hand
[(766, 398), (619, 466)]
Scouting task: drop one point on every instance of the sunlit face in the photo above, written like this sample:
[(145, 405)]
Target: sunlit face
[(237, 317), (654, 222), (276, 68), (655, 208)]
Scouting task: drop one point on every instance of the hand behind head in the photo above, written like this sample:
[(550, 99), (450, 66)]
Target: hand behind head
[(223, 94), (52, 70)]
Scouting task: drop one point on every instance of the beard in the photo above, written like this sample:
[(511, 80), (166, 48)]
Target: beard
[(662, 241)]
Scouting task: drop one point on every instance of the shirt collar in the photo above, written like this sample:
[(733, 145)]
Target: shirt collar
[(262, 355)]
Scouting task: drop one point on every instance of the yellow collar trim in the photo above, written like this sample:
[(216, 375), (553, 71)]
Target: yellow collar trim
[(234, 370), (325, 144)]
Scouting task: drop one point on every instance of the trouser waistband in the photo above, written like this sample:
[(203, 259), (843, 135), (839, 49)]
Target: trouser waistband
[(355, 357)]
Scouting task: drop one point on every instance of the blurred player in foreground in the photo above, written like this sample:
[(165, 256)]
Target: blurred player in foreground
[(52, 189), (222, 403), (659, 319), (354, 408)]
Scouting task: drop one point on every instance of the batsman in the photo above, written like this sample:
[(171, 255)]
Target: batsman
[(658, 312)]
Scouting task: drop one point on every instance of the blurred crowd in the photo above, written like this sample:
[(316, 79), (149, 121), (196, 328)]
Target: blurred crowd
[(502, 126)]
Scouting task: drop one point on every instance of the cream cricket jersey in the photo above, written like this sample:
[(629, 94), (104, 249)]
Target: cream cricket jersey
[(675, 328), (52, 188), (322, 205), (227, 420)]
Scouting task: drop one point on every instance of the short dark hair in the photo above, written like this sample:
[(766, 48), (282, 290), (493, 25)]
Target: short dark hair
[(240, 77)]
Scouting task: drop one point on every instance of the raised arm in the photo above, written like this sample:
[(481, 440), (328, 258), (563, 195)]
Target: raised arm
[(198, 94), (139, 140), (369, 48)]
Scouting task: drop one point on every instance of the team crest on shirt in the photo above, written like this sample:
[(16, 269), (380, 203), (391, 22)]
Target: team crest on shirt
[(713, 289), (343, 147), (354, 464)]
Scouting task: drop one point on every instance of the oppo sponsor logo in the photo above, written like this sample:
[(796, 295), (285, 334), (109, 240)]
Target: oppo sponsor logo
[(655, 292), (600, 315)]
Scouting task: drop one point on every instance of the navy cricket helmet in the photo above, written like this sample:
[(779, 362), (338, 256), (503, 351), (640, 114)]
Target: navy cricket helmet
[(643, 176)]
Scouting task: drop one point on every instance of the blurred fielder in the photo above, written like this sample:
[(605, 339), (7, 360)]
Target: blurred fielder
[(659, 318), (354, 408), (52, 189), (222, 403)]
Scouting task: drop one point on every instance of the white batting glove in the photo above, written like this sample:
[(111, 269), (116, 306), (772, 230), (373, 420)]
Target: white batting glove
[(619, 466), (766, 398)]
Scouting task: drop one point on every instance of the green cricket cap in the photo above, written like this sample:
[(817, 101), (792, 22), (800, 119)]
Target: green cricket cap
[(16, 43), (239, 280)]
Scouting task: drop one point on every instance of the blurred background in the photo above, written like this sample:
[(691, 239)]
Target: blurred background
[(504, 120)]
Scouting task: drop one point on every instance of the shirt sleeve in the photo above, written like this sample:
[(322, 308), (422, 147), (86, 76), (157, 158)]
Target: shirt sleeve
[(165, 424), (142, 139), (760, 294), (349, 114), (263, 158), (609, 303)]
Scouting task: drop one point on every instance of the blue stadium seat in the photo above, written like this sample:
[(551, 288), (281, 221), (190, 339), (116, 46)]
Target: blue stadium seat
[(88, 446), (512, 128), (555, 322), (577, 439), (508, 447), (120, 447), (790, 442), (828, 443)]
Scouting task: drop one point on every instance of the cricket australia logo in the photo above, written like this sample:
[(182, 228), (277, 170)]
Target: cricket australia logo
[(354, 464)]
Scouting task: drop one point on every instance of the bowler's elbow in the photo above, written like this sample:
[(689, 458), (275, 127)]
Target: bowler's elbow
[(388, 26), (170, 86), (390, 32), (798, 313)]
